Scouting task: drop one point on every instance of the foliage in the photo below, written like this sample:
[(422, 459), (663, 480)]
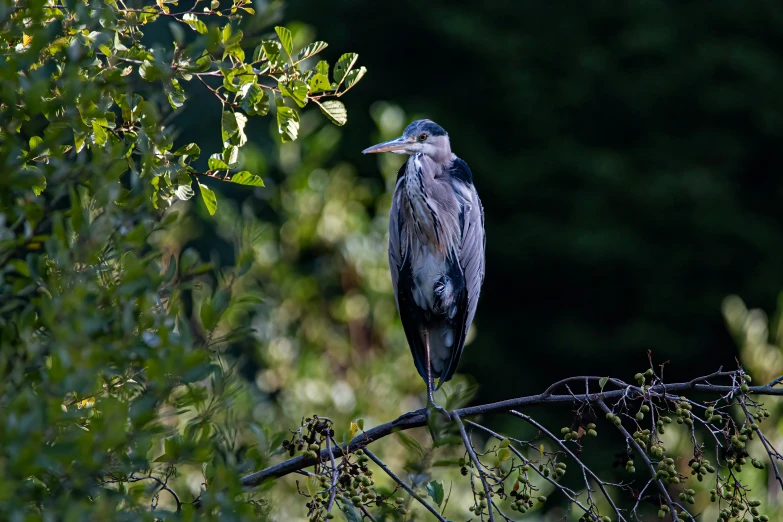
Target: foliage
[(115, 385), (78, 68)]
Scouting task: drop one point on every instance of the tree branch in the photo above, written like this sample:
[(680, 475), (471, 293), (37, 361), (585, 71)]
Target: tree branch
[(403, 485), (418, 419)]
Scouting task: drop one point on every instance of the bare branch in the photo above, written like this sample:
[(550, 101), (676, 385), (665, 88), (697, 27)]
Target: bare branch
[(403, 485)]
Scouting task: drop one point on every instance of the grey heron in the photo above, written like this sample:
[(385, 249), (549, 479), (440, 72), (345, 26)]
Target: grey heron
[(436, 249)]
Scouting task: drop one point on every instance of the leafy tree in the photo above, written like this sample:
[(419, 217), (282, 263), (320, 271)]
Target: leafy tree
[(113, 384)]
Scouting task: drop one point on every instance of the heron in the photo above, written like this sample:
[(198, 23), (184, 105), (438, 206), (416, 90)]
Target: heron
[(436, 249)]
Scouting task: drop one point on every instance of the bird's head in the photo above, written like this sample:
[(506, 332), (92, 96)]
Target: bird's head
[(421, 136)]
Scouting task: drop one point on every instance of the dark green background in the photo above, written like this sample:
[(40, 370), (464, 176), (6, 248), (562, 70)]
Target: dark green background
[(626, 155)]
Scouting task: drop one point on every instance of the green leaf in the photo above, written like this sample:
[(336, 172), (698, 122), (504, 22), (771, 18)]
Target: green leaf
[(233, 40), (312, 485), (349, 512), (203, 64), (195, 23), (79, 140), (319, 83), (34, 142), (251, 94), (296, 90), (216, 163), (99, 133), (228, 79), (504, 454), (322, 68), (343, 65), (241, 137), (39, 187), (287, 122), (335, 111), (229, 125), (409, 442), (149, 71), (602, 382), (360, 423), (231, 155), (312, 49), (246, 178), (254, 99), (184, 192), (272, 50), (435, 491), (286, 39), (177, 32), (175, 95), (209, 199), (354, 76), (505, 443), (191, 150), (207, 313), (258, 53)]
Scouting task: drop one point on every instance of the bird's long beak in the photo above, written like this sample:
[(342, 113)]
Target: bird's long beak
[(396, 145)]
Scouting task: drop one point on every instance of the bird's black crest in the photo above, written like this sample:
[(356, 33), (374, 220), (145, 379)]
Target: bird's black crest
[(428, 126)]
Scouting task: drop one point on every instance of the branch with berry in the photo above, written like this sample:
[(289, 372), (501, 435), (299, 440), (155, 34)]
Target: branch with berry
[(506, 474)]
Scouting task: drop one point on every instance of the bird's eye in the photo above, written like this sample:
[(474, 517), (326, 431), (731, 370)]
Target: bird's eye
[(422, 137)]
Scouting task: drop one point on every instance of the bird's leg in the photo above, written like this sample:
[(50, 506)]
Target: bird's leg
[(430, 399)]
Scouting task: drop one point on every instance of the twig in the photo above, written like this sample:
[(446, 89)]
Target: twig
[(772, 453), (570, 495), (333, 484), (630, 440), (367, 513), (476, 463), (601, 483), (403, 485)]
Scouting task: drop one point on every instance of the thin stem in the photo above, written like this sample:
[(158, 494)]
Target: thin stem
[(561, 445), (403, 485), (650, 468), (333, 486), (570, 495), (476, 463)]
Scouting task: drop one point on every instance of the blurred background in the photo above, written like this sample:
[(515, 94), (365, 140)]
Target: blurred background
[(626, 156)]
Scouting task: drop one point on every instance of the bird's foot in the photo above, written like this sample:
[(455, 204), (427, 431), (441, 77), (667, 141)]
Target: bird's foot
[(432, 406)]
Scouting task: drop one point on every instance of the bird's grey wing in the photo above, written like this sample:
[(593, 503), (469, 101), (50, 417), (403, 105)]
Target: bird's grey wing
[(396, 231), (411, 315), (470, 255)]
